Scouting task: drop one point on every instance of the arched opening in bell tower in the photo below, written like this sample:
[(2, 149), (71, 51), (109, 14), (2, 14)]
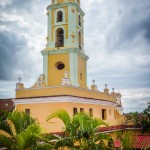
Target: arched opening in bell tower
[(80, 40), (59, 38), (79, 20), (59, 16)]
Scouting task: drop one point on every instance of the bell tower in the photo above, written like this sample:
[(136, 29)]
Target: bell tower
[(64, 50)]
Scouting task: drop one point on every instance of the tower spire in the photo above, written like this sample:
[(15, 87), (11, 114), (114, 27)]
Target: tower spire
[(65, 49)]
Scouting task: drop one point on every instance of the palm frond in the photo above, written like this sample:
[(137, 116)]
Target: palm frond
[(28, 137), (12, 127), (6, 142), (21, 120), (101, 136), (82, 119), (66, 142), (44, 146), (62, 115), (4, 133), (98, 122)]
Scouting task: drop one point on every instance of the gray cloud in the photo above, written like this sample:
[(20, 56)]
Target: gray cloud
[(146, 26), (135, 104), (19, 30), (16, 5), (10, 44)]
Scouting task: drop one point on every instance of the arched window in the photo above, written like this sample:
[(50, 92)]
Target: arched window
[(80, 41), (59, 38), (59, 16), (79, 20)]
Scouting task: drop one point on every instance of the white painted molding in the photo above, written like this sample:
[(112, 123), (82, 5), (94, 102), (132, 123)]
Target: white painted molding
[(63, 99), (64, 34), (64, 16)]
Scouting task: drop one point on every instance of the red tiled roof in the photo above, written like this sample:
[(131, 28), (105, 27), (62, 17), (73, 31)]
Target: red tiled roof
[(119, 127), (6, 104), (141, 142)]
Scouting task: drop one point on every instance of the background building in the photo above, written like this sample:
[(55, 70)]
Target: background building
[(6, 105)]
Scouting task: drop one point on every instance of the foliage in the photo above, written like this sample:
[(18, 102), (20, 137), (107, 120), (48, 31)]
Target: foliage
[(126, 138), (146, 120), (43, 146), (133, 117), (3, 123), (80, 132), (3, 115), (22, 131), (140, 119)]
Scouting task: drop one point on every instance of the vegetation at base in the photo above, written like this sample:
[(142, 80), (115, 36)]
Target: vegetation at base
[(19, 131), (126, 139), (80, 132)]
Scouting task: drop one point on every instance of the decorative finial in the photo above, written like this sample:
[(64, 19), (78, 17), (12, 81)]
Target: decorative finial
[(93, 81), (106, 89), (66, 74), (66, 80), (113, 90), (73, 10), (94, 86), (19, 79), (73, 36), (19, 85)]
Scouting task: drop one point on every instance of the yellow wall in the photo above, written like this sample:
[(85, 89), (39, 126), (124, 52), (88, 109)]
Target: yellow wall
[(63, 90), (60, 1), (54, 75), (41, 111), (66, 14), (82, 70), (53, 16)]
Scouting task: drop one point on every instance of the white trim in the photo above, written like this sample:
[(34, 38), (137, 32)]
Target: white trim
[(45, 67), (74, 68), (66, 50), (64, 34), (64, 16), (63, 99), (49, 23), (66, 4), (71, 27)]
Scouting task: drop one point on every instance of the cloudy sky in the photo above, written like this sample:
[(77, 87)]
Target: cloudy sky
[(117, 40)]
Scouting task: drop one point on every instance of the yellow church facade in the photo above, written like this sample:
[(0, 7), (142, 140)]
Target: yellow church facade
[(63, 84)]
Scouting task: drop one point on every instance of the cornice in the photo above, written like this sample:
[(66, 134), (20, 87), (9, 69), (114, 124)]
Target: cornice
[(63, 99), (55, 6), (66, 50)]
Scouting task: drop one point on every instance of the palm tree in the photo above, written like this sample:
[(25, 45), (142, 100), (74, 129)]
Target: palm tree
[(145, 123), (126, 139), (80, 132), (19, 131)]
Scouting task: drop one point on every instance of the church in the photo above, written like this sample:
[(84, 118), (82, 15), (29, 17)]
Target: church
[(63, 83)]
